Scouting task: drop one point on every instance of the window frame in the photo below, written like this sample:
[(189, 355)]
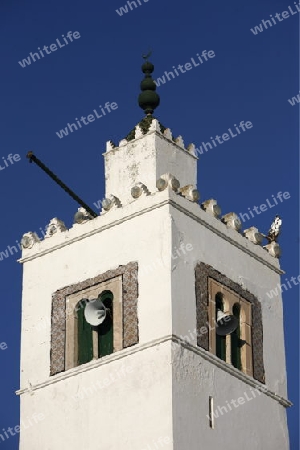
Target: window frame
[(202, 274), (72, 301), (129, 316), (230, 299)]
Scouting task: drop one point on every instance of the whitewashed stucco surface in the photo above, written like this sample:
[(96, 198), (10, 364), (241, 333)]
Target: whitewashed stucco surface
[(166, 392)]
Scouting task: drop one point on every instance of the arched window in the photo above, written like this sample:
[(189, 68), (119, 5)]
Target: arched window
[(235, 347), (85, 337), (105, 330), (235, 339), (220, 340)]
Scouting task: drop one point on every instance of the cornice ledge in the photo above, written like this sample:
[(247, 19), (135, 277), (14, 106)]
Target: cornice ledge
[(94, 364), (232, 370), (140, 347)]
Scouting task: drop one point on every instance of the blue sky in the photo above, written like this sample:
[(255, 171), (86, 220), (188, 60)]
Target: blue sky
[(250, 78)]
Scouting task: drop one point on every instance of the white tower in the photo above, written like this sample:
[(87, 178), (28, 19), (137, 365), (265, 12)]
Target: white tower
[(155, 374)]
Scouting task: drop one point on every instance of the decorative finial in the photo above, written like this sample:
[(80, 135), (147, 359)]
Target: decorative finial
[(148, 98), (274, 231), (148, 55)]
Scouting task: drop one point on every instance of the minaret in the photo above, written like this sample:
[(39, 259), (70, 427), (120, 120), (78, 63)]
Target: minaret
[(161, 371)]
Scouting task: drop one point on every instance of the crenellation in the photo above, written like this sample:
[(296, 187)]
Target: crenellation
[(179, 142), (82, 216), (190, 193), (29, 239), (172, 182), (161, 184), (138, 132), (253, 235), (155, 126), (142, 129), (110, 202), (55, 226), (127, 188), (273, 248), (211, 206), (168, 134), (123, 142), (138, 190), (191, 149), (110, 145), (232, 221), (167, 180)]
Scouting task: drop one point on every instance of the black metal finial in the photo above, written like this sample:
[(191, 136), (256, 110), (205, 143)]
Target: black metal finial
[(148, 98), (148, 55)]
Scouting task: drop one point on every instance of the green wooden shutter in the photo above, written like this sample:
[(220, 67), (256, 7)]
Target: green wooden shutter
[(105, 330), (220, 340), (85, 339), (235, 340)]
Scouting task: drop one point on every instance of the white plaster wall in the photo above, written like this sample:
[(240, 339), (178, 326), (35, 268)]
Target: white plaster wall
[(145, 239), (131, 408), (145, 160), (259, 423), (240, 267), (147, 231)]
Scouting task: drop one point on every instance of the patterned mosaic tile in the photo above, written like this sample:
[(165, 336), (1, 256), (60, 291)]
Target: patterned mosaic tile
[(129, 275), (202, 273)]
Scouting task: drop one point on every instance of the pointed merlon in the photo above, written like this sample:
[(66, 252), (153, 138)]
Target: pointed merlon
[(179, 142)]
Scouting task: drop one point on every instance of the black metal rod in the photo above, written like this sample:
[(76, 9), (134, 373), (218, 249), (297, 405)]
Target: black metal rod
[(33, 158)]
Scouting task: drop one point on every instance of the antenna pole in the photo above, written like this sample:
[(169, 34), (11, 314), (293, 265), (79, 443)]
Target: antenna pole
[(38, 162)]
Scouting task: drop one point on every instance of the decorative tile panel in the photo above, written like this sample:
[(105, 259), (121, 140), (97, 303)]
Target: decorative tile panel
[(129, 275), (202, 274)]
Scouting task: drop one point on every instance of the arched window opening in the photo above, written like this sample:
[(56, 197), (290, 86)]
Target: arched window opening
[(235, 340), (236, 347), (105, 330), (220, 340), (85, 337)]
